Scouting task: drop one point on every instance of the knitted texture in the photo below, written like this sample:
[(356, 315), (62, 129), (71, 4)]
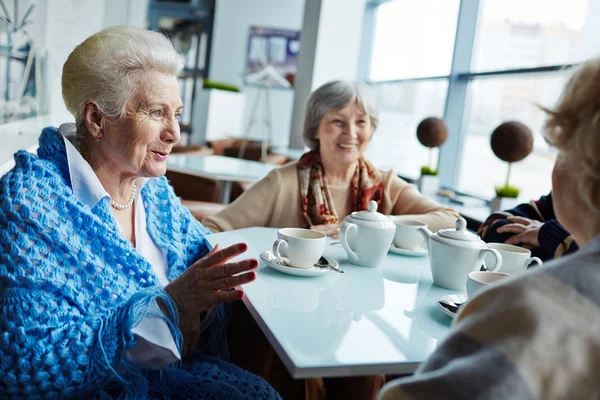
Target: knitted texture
[(71, 289)]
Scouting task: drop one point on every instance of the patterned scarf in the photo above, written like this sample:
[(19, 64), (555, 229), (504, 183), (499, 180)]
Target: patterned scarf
[(317, 203)]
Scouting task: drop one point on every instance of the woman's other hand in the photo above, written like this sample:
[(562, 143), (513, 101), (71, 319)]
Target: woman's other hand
[(332, 230), (526, 231), (205, 284)]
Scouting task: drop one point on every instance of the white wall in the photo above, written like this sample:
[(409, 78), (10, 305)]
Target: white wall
[(60, 25), (330, 51), (233, 19)]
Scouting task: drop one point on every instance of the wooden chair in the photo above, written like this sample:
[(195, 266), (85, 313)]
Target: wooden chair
[(201, 209)]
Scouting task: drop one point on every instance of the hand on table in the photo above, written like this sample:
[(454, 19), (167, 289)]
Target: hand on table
[(332, 230), (526, 231), (205, 284)]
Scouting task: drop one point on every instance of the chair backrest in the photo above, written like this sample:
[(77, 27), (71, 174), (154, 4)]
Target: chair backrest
[(193, 187)]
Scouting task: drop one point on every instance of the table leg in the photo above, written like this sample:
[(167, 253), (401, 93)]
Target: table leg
[(224, 192)]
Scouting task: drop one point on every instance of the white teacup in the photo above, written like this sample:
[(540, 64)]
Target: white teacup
[(407, 234), (298, 247), (515, 259), (480, 279)]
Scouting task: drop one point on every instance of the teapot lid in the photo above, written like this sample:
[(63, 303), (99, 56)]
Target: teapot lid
[(460, 233), (371, 213)]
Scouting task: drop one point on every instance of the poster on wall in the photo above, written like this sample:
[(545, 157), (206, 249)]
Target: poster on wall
[(272, 56)]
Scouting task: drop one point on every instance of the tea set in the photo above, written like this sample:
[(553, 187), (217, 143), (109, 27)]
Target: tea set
[(456, 256)]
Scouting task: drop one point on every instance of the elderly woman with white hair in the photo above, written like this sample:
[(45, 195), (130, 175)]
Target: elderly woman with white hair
[(106, 280), (317, 192), (536, 336)]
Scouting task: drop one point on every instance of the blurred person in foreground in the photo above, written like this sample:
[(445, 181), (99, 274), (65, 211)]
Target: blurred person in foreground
[(328, 183), (535, 336), (108, 286)]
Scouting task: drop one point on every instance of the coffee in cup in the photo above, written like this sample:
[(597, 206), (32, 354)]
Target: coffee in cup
[(515, 259), (298, 247), (407, 235), (478, 280)]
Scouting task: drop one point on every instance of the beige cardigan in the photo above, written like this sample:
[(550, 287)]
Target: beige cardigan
[(275, 202)]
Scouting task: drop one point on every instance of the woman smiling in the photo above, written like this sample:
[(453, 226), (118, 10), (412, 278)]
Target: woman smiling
[(334, 178), (106, 280)]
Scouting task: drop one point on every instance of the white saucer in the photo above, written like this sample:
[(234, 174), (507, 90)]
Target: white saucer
[(418, 252), (452, 298), (269, 259)]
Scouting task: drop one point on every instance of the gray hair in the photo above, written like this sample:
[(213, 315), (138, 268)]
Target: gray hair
[(573, 127), (333, 96), (107, 67)]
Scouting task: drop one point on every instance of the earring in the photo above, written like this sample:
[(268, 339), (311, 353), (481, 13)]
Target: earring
[(98, 138)]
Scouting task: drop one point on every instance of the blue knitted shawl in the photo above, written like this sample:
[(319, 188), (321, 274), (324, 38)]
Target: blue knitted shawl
[(71, 289)]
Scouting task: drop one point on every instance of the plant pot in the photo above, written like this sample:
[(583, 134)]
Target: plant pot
[(502, 203), (429, 184)]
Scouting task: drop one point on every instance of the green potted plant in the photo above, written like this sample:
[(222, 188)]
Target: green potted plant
[(511, 141), (432, 132), (208, 84), (218, 112)]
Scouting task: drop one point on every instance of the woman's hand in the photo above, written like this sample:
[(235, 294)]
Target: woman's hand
[(205, 284), (332, 230), (526, 231)]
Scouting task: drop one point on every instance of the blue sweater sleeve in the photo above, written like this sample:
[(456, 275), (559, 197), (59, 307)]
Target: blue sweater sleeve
[(51, 349)]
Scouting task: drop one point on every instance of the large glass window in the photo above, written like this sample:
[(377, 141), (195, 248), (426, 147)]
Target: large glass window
[(413, 38), (532, 33), (519, 53), (402, 105), (492, 101)]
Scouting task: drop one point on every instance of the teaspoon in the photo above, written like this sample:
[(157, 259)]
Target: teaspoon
[(323, 263)]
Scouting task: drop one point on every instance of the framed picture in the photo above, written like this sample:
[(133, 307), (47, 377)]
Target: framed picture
[(276, 48)]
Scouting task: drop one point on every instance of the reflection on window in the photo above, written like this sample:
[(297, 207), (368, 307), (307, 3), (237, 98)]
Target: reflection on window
[(402, 105), (533, 33), (496, 100), (413, 38)]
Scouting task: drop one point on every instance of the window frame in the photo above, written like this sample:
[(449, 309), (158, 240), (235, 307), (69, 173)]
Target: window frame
[(451, 153)]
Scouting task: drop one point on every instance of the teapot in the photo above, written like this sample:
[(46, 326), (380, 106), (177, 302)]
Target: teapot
[(454, 253), (367, 236)]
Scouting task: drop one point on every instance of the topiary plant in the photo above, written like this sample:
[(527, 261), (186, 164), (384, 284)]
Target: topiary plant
[(432, 132), (511, 141)]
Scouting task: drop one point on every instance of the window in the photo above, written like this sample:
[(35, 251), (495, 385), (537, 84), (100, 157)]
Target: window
[(411, 56), (492, 101), (402, 105), (534, 33), (512, 55), (413, 38)]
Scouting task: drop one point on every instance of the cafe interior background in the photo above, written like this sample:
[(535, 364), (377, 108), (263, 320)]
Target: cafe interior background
[(251, 65)]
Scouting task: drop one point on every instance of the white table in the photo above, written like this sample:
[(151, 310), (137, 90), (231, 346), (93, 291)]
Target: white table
[(220, 168), (366, 321)]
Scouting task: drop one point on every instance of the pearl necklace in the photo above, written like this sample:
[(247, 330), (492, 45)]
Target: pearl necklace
[(118, 206)]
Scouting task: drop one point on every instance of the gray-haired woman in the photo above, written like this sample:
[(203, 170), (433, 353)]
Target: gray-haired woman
[(317, 192), (333, 179), (106, 280)]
